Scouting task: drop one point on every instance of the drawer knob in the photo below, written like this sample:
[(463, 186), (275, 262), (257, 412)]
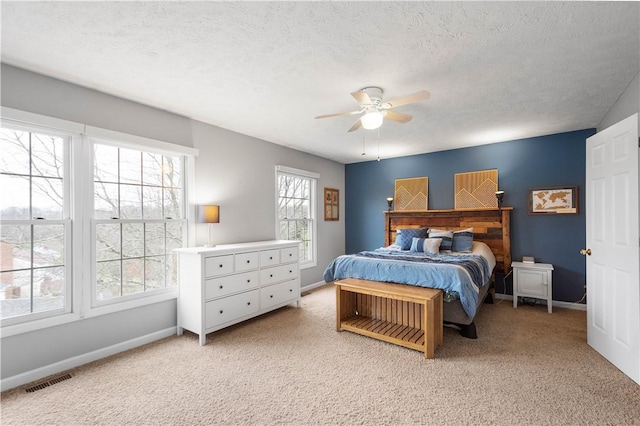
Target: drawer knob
[(248, 303), (290, 289), (221, 266), (248, 261), (248, 281), (290, 271), (270, 257), (290, 254), (221, 311), (270, 275), (271, 296), (220, 286)]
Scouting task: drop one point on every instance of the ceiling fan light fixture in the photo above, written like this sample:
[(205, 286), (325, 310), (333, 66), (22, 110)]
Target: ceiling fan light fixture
[(371, 120)]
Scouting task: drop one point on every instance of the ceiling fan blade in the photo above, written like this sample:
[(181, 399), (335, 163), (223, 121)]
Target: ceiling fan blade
[(419, 96), (362, 98), (339, 114), (355, 126), (397, 116)]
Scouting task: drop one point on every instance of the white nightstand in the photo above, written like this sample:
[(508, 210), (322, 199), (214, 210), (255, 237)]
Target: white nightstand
[(532, 280)]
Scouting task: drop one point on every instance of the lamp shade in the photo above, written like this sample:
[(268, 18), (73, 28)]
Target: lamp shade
[(209, 214), (371, 120)]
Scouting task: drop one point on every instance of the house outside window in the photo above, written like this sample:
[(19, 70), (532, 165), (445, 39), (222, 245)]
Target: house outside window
[(296, 210)]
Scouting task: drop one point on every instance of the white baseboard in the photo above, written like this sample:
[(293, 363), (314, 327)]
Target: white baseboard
[(76, 361), (312, 286), (554, 303)]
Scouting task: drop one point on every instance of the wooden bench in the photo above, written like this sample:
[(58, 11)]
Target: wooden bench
[(405, 315)]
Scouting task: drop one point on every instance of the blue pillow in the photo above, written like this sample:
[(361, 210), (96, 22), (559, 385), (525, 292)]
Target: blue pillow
[(417, 245), (447, 238), (405, 236), (462, 241)]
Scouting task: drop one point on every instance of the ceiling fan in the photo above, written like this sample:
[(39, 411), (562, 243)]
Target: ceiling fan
[(375, 110)]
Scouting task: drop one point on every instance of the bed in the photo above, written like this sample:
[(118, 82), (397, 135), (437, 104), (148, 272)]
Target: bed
[(465, 278)]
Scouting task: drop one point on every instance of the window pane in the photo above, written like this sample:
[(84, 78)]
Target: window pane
[(130, 202), (171, 268), (154, 272), (48, 245), (151, 169), (105, 200), (132, 276), (48, 289), (154, 239), (16, 293), (105, 163), (172, 172), (173, 236), (173, 203), (14, 192), (14, 151), (15, 247), (130, 166), (108, 280), (47, 155), (108, 242), (47, 198), (132, 239), (152, 202)]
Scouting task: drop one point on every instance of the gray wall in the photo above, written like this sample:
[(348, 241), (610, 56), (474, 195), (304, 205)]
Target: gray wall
[(627, 104), (233, 170)]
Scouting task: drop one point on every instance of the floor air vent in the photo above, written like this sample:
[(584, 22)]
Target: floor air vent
[(48, 383)]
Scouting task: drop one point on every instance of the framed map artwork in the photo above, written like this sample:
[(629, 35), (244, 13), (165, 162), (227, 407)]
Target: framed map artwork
[(558, 200), (331, 204)]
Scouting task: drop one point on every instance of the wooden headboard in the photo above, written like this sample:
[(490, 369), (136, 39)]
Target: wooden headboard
[(491, 226)]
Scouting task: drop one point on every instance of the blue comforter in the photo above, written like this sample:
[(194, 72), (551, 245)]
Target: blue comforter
[(460, 273)]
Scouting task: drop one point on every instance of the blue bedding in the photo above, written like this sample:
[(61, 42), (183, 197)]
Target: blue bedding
[(460, 273)]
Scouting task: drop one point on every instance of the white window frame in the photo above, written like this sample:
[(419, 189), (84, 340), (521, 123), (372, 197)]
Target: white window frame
[(313, 207), (73, 131), (78, 304), (93, 135)]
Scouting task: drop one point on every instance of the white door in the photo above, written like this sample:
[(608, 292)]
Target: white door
[(613, 254)]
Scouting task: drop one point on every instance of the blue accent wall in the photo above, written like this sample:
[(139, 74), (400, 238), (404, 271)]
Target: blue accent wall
[(545, 161)]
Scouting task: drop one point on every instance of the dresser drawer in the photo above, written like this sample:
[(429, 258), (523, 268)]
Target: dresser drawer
[(289, 254), (278, 273), (246, 261), (230, 308), (218, 265), (278, 293), (269, 257), (219, 287)]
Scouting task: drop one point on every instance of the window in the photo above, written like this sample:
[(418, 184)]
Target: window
[(296, 207), (138, 215), (35, 222), (89, 219)]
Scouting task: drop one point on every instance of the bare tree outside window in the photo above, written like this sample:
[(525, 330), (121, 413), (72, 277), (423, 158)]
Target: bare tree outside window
[(294, 212), (138, 204), (35, 223)]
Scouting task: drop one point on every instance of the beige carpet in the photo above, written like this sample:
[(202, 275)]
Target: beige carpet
[(292, 367)]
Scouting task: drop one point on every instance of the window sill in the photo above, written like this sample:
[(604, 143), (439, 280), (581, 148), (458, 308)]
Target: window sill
[(62, 319)]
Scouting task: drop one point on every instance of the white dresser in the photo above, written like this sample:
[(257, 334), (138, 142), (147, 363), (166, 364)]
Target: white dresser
[(226, 284)]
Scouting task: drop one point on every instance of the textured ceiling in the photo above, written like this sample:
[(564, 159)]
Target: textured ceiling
[(496, 70)]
